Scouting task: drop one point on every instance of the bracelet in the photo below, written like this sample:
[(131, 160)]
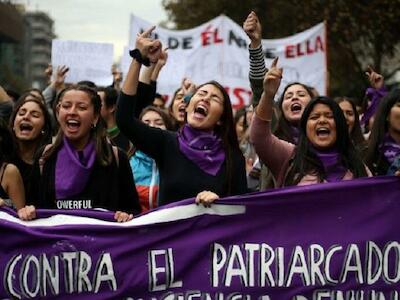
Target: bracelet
[(136, 55), (187, 97)]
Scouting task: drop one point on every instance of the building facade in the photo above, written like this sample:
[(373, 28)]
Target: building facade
[(37, 49), (11, 45), (25, 46)]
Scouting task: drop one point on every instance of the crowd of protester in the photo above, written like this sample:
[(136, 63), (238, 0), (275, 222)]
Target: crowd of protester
[(120, 148)]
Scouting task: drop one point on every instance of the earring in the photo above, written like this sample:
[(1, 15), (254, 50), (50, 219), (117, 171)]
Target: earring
[(42, 132)]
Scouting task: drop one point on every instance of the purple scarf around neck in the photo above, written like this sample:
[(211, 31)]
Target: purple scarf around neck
[(389, 148), (295, 131), (334, 170), (73, 170), (203, 148), (375, 96)]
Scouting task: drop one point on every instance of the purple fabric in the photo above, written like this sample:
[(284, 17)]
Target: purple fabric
[(389, 148), (375, 96), (295, 131), (203, 148), (311, 241), (72, 172), (330, 159)]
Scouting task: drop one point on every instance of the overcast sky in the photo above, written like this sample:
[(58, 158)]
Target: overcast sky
[(97, 20)]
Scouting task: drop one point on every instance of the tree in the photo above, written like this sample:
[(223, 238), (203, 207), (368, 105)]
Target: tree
[(360, 33)]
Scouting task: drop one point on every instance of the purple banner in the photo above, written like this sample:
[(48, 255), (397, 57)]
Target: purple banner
[(328, 241)]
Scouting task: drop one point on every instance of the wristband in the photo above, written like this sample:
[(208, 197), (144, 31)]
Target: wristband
[(187, 97), (136, 55)]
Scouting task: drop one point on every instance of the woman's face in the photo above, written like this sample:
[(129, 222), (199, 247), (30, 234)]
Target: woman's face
[(76, 117), (321, 127), (178, 107), (157, 102), (153, 119), (348, 114), (205, 108), (249, 114), (107, 113), (394, 118), (240, 127), (294, 101), (29, 122)]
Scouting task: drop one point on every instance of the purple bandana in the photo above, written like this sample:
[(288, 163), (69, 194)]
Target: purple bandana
[(295, 131), (375, 96), (389, 148), (203, 148), (72, 169), (334, 170)]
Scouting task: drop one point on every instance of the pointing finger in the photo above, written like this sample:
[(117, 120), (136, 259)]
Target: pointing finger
[(148, 31), (370, 70), (274, 62)]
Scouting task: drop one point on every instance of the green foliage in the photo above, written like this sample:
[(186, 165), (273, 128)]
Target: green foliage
[(360, 33)]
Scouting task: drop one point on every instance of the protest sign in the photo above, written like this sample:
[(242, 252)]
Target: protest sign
[(217, 50), (327, 241), (86, 60)]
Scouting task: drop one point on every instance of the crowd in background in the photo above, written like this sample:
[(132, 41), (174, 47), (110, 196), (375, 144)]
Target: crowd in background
[(80, 146)]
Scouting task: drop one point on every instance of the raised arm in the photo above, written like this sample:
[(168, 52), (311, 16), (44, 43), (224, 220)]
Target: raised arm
[(375, 93), (148, 82), (159, 65), (271, 150), (57, 83), (149, 140), (252, 27), (146, 90)]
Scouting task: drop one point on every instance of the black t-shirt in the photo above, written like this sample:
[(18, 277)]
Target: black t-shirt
[(26, 173)]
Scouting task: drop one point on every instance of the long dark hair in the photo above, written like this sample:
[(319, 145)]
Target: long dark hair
[(305, 160), (375, 158), (110, 96), (104, 154), (46, 133), (356, 134), (283, 128), (226, 131)]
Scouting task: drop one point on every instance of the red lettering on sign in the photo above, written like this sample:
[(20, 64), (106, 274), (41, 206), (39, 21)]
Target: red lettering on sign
[(290, 51), (299, 52), (239, 93), (319, 45), (239, 98), (209, 36), (217, 39), (307, 47)]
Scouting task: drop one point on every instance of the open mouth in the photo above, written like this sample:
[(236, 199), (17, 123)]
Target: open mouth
[(182, 109), (295, 107), (323, 131), (26, 127), (73, 124), (201, 111)]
